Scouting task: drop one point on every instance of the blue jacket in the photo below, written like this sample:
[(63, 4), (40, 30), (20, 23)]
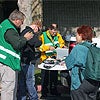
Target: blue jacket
[(76, 59)]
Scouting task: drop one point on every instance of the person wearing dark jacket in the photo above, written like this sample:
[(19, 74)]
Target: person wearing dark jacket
[(28, 60)]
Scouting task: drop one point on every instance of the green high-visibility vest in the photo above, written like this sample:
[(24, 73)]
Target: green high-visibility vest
[(52, 42), (8, 55)]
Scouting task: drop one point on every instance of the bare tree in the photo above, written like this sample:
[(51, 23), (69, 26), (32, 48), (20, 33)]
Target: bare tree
[(25, 6)]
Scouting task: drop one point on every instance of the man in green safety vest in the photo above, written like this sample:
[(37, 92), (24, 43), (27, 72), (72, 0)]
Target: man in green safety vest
[(10, 45)]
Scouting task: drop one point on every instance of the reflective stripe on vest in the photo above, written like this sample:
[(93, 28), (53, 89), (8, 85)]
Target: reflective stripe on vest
[(9, 52), (55, 42), (2, 56)]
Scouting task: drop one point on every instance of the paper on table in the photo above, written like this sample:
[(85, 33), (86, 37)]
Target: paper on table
[(96, 40), (61, 53)]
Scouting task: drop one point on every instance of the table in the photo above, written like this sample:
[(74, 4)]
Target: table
[(60, 66), (59, 63)]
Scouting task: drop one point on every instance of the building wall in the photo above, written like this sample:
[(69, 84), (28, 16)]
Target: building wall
[(66, 13), (71, 13)]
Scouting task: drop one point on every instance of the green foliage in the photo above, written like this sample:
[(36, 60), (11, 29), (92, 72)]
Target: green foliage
[(37, 76)]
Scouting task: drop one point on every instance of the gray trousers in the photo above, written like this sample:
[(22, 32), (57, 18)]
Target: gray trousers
[(8, 83), (86, 91)]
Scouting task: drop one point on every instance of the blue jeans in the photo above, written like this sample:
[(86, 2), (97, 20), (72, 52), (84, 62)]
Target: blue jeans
[(26, 83)]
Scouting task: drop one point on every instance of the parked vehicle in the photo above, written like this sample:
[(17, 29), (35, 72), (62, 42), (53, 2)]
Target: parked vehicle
[(72, 43)]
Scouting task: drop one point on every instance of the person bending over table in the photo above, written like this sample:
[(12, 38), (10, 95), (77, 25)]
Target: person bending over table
[(51, 39)]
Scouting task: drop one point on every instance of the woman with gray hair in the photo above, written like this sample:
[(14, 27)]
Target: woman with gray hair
[(10, 46)]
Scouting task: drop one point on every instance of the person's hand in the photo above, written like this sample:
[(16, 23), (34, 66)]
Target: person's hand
[(64, 47), (52, 48), (29, 35)]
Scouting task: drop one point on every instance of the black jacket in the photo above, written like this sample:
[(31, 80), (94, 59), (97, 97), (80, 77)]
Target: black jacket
[(28, 53)]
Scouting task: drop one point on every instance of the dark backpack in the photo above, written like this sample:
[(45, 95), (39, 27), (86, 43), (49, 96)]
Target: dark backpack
[(92, 68)]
